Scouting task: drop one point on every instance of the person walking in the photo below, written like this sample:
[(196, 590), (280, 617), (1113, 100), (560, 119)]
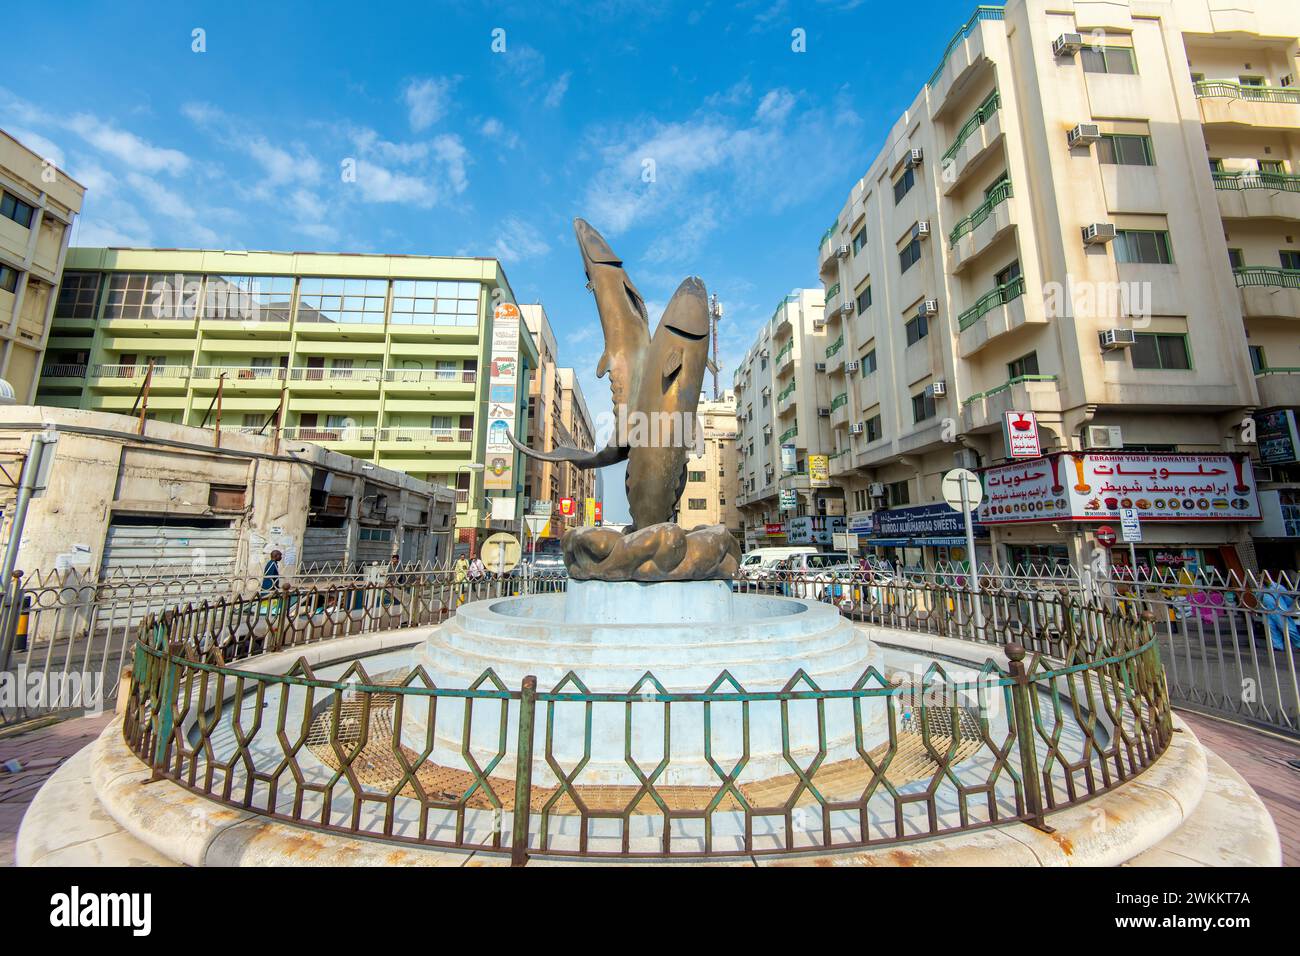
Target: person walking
[(460, 577)]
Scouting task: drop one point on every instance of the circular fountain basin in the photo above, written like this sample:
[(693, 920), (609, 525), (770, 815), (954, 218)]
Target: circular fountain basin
[(675, 637)]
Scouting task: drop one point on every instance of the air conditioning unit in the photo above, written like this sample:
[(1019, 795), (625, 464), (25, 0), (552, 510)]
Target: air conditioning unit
[(938, 387), (965, 458), (1116, 339), (1099, 233), (819, 367), (851, 367), (876, 489), (1084, 134), (1105, 436), (842, 251), (765, 353), (928, 309), (823, 411), (921, 230), (846, 308), (1262, 472), (857, 428), (1067, 44), (819, 323), (914, 158)]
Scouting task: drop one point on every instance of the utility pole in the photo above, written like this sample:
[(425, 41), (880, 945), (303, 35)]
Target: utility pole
[(715, 318)]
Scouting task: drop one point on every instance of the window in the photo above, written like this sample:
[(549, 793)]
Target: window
[(248, 298), (1250, 80), (77, 296), (1236, 259), (859, 240), (860, 500), (923, 406), (1290, 258), (139, 295), (1160, 351), (697, 504), (874, 429), (1109, 59), (11, 207), (1025, 365), (1143, 245), (8, 278), (896, 493), (918, 327), (338, 300), (903, 184), (868, 364), (909, 255), (864, 300), (1009, 274), (1121, 149), (1273, 166), (425, 302), (1257, 361), (695, 476), (1216, 164)]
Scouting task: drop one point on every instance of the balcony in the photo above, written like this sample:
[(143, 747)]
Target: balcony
[(452, 380), (1028, 393), (840, 410), (1278, 387), (1258, 107), (1251, 194), (1268, 292), (350, 439), (979, 134), (841, 462), (995, 313), (826, 250), (787, 398), (975, 233), (784, 358), (964, 53), (835, 355), (402, 438), (782, 325), (334, 379), (787, 435), (62, 376), (166, 378), (241, 377)]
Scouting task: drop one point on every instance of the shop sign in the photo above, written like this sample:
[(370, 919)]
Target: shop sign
[(810, 529), (1276, 437), (1021, 432), (1074, 486), (819, 471), (924, 524)]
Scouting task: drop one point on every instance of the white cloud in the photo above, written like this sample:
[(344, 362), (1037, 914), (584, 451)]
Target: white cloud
[(775, 106), (555, 92), (37, 144), (380, 184), (128, 148), (519, 240), (428, 99), (493, 129)]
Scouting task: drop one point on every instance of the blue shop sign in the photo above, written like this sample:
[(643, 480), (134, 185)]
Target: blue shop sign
[(935, 524)]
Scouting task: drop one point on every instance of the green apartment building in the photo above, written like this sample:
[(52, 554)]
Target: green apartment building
[(382, 357)]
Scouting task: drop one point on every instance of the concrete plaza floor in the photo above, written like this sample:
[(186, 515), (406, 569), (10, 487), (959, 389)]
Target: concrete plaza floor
[(1261, 758)]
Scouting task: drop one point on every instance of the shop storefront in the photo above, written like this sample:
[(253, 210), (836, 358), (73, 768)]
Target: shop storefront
[(1196, 510), (921, 537)]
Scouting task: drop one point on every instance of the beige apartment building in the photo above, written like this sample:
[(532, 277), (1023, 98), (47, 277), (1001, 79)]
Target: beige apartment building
[(38, 203), (712, 477), (1090, 213), (557, 415), (784, 415)]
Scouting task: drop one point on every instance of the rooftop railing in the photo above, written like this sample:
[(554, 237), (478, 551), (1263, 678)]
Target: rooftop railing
[(981, 13)]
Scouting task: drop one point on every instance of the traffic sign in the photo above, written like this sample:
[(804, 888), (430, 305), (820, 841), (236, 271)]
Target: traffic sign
[(1130, 524), (500, 552), (1106, 535), (952, 489)]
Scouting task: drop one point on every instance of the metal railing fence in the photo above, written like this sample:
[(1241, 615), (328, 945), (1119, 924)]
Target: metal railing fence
[(1080, 709)]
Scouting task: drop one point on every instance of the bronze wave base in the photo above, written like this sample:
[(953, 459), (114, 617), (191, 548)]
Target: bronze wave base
[(661, 552)]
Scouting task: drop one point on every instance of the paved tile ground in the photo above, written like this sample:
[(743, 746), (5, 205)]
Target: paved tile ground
[(1260, 758), (39, 752)]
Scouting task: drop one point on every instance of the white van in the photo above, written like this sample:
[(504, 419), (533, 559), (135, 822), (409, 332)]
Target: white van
[(756, 563)]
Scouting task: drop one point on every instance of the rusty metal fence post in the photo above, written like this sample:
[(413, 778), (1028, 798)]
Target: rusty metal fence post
[(1022, 708), (523, 772)]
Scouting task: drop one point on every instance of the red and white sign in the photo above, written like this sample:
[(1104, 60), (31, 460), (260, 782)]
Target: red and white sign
[(1096, 487), (773, 529), (1106, 535), (1021, 432), (567, 507)]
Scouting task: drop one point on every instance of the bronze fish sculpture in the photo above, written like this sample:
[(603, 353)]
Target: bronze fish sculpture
[(655, 382)]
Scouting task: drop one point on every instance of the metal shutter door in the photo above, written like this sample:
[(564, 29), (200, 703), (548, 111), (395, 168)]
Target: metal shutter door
[(168, 550), (323, 546)]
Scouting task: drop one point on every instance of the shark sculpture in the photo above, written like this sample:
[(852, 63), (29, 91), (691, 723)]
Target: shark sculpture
[(655, 381)]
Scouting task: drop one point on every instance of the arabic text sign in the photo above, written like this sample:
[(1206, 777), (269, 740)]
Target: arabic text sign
[(1021, 431), (1097, 486)]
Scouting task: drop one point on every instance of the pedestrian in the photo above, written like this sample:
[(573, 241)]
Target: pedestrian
[(270, 581), (460, 576)]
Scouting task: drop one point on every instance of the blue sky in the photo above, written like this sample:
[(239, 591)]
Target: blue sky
[(463, 150)]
